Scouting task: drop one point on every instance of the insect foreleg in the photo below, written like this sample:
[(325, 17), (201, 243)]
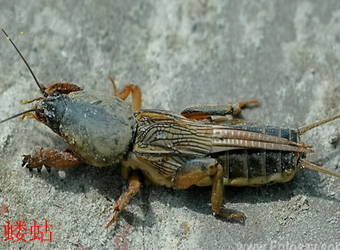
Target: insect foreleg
[(200, 112), (124, 199), (62, 88), (50, 158)]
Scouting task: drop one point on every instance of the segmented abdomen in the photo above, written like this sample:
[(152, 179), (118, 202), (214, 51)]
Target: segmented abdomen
[(252, 167)]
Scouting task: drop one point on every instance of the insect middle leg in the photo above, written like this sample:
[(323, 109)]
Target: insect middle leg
[(124, 199), (130, 88), (200, 112), (199, 172)]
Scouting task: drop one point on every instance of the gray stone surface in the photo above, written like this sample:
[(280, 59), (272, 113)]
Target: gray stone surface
[(284, 53)]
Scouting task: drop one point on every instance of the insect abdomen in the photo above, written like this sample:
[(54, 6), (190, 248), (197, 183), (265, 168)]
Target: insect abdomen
[(252, 167)]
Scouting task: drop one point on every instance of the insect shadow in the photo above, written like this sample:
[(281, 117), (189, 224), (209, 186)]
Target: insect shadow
[(109, 182)]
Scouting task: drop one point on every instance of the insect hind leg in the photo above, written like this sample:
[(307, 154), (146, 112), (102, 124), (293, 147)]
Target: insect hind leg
[(196, 172)]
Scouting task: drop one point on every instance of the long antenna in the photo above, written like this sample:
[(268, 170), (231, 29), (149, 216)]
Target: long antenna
[(22, 113), (29, 68)]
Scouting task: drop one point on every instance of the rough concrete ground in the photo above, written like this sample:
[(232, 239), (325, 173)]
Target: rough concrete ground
[(284, 53)]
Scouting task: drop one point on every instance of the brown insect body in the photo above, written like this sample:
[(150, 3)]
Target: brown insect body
[(253, 167), (165, 141), (173, 150)]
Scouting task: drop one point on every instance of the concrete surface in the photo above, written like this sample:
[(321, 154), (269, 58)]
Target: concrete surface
[(284, 53)]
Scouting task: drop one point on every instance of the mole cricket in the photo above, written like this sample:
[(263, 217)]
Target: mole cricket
[(168, 149)]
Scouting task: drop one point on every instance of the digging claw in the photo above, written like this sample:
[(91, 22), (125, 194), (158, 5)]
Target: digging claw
[(26, 162), (29, 163)]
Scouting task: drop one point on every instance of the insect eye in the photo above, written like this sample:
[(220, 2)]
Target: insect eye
[(49, 116), (55, 94)]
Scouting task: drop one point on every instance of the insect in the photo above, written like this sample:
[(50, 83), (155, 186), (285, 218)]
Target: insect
[(168, 149)]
